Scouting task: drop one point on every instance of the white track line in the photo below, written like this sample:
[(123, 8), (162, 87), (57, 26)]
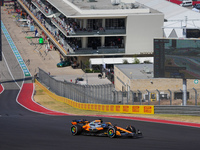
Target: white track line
[(10, 71)]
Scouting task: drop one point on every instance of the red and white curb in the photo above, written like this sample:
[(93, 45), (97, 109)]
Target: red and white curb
[(1, 88), (25, 99)]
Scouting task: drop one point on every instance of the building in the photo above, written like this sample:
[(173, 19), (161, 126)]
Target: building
[(139, 78), (102, 28), (180, 22)]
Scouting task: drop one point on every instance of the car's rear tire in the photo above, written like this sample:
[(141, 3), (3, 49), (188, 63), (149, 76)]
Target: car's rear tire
[(131, 128), (112, 132), (76, 129)]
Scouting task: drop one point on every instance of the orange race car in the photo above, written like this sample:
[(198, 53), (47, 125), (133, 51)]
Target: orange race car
[(98, 128)]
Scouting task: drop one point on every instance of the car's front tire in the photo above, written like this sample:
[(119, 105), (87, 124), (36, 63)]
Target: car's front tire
[(131, 128), (76, 129), (112, 132)]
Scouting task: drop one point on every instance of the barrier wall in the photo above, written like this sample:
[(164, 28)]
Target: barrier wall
[(134, 109)]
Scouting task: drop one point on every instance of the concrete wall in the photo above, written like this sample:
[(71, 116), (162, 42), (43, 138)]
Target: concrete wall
[(141, 29), (120, 79), (162, 84)]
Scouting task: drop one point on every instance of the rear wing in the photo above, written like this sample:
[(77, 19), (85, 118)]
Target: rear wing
[(80, 121)]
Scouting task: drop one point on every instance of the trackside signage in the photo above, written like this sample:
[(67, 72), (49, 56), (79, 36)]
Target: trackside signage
[(136, 109)]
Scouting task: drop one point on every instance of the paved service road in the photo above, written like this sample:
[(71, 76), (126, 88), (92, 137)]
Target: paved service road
[(21, 129)]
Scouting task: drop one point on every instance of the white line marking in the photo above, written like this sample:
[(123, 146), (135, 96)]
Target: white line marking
[(10, 71)]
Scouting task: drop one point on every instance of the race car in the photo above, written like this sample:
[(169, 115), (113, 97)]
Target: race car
[(98, 128)]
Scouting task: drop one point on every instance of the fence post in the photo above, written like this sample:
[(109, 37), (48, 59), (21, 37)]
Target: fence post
[(101, 94), (110, 95), (182, 97), (114, 96), (96, 93), (77, 93), (70, 91), (170, 96), (49, 81), (195, 96), (104, 94), (139, 96), (117, 97), (92, 94), (62, 85), (85, 94), (122, 98), (107, 94), (158, 95), (148, 97), (127, 96), (74, 93), (133, 97)]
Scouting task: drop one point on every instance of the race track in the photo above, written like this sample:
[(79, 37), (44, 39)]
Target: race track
[(22, 129)]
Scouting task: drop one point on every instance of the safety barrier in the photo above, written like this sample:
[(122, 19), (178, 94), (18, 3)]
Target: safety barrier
[(134, 109)]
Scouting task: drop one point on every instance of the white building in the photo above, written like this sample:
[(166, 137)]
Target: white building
[(99, 28)]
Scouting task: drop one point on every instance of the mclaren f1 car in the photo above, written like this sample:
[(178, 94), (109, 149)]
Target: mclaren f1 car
[(98, 128)]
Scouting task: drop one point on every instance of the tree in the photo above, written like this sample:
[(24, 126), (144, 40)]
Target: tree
[(136, 61), (147, 62), (125, 61)]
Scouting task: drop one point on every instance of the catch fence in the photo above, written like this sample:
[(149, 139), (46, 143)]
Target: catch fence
[(106, 93), (99, 94)]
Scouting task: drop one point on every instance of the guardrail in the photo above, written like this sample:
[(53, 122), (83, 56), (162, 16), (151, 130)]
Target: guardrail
[(183, 110)]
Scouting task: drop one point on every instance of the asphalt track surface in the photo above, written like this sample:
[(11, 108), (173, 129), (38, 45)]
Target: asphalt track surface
[(22, 129)]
